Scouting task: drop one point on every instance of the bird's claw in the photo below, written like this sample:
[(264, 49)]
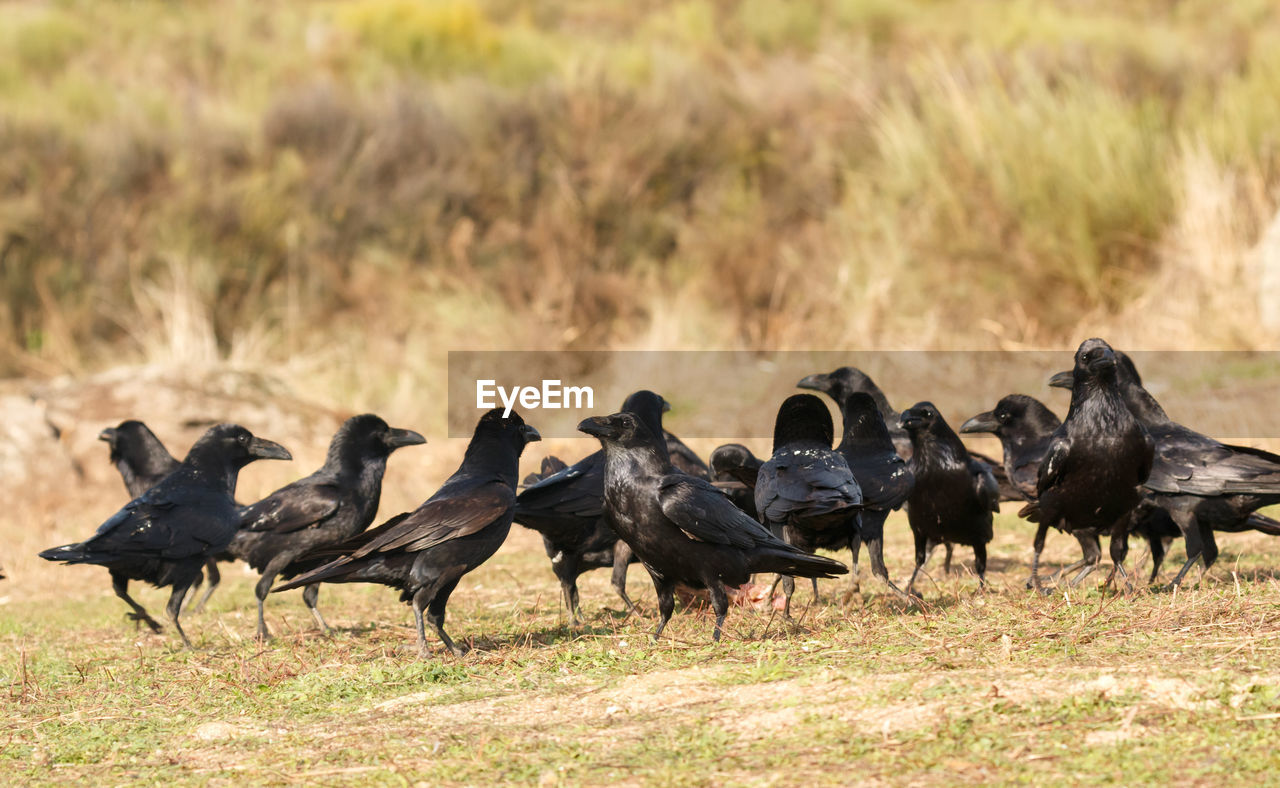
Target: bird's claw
[(145, 619)]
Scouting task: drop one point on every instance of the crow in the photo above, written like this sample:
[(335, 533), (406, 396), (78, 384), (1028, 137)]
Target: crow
[(1090, 478), (954, 494), (734, 469), (868, 448), (324, 509), (1203, 484), (681, 527), (424, 553), (165, 535), (847, 380), (1025, 428), (567, 509), (805, 492), (143, 461)]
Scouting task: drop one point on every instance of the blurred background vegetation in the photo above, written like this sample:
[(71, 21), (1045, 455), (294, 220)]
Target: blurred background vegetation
[(351, 188)]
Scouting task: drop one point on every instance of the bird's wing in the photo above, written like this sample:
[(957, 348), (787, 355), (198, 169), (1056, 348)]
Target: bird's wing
[(985, 485), (292, 508), (1185, 464), (685, 459), (1051, 466), (705, 514), (1006, 489), (440, 520), (577, 490), (166, 527)]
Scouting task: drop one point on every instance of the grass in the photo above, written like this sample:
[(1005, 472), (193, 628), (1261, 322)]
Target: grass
[(994, 687)]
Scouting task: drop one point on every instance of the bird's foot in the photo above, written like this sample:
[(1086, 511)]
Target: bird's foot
[(145, 619)]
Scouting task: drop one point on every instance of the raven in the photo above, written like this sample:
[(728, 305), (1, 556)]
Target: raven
[(324, 509), (424, 553), (681, 527), (165, 535), (1097, 459), (567, 509), (954, 494), (734, 469), (143, 461), (867, 446), (805, 492), (1204, 485)]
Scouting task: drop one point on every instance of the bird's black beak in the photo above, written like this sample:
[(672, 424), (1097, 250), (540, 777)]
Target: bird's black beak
[(530, 434), (599, 426), (1062, 380), (108, 435), (264, 449), (910, 421), (397, 438), (813, 383), (666, 406), (983, 422)]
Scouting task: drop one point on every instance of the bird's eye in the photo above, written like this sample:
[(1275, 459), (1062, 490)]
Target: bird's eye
[(243, 439)]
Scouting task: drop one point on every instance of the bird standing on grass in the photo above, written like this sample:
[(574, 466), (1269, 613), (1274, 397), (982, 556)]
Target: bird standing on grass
[(324, 509), (164, 536), (805, 492), (426, 552), (954, 495), (1089, 481), (681, 527)]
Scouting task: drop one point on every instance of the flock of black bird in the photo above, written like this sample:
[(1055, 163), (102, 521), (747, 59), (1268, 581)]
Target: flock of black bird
[(1117, 465)]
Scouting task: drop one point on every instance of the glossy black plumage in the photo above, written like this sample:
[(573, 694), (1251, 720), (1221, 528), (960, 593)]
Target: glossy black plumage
[(1090, 478), (681, 527), (567, 509), (734, 469), (954, 494), (164, 536), (324, 509), (424, 553), (805, 493), (1203, 484)]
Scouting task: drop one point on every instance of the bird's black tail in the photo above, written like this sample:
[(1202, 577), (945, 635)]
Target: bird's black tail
[(787, 560), (328, 572)]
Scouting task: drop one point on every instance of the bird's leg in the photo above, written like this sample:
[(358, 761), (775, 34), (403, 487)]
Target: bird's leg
[(420, 600), (720, 604), (1191, 534), (175, 607), (1087, 542), (567, 571), (1037, 548), (621, 559), (816, 597), (120, 585), (1093, 554), (923, 548), (980, 563), (1157, 548), (311, 595), (788, 582), (215, 577), (435, 616), (666, 604), (274, 567), (195, 586), (875, 550), (946, 564), (1119, 548), (855, 584)]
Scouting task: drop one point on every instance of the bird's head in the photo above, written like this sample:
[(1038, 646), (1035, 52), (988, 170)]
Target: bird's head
[(623, 429), (731, 455), (511, 429), (368, 435), (237, 446), (839, 383), (920, 417), (802, 417), (131, 440)]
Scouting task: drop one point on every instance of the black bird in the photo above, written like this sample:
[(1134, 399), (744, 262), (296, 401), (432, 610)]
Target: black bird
[(1025, 428), (424, 553), (805, 492), (734, 469), (164, 536), (867, 446), (681, 527), (954, 495), (1097, 460), (1203, 484), (567, 509), (845, 381), (322, 510), (143, 461)]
